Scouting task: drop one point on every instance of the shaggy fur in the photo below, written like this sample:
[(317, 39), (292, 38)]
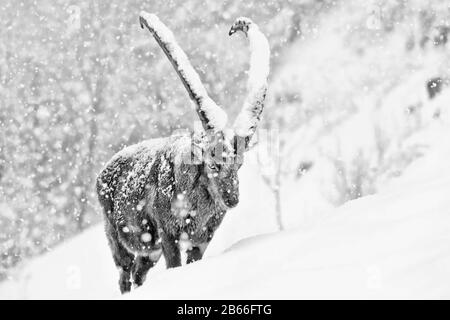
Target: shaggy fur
[(154, 193)]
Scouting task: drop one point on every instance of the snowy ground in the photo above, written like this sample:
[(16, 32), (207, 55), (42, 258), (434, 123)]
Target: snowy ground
[(395, 244)]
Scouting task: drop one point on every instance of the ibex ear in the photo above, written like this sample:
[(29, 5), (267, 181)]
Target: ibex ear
[(239, 146), (196, 155), (215, 148), (207, 146), (197, 149)]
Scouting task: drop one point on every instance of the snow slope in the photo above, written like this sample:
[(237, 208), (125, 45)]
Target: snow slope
[(386, 246), (395, 244), (82, 268)]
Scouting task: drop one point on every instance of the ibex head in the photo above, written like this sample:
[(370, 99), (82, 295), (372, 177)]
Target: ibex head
[(220, 164), (222, 149)]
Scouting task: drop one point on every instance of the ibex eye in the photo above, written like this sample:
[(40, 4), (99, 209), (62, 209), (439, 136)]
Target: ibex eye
[(213, 166)]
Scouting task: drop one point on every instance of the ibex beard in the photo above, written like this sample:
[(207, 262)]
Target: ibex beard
[(163, 194)]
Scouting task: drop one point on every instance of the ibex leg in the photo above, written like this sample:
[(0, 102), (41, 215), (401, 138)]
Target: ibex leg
[(122, 258), (141, 267), (171, 251), (196, 253)]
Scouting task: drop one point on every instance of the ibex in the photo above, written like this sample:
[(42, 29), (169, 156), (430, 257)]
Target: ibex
[(161, 192)]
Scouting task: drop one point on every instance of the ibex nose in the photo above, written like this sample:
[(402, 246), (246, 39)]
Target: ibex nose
[(232, 201)]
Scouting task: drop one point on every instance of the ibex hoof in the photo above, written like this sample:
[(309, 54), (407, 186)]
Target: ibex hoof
[(125, 286)]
